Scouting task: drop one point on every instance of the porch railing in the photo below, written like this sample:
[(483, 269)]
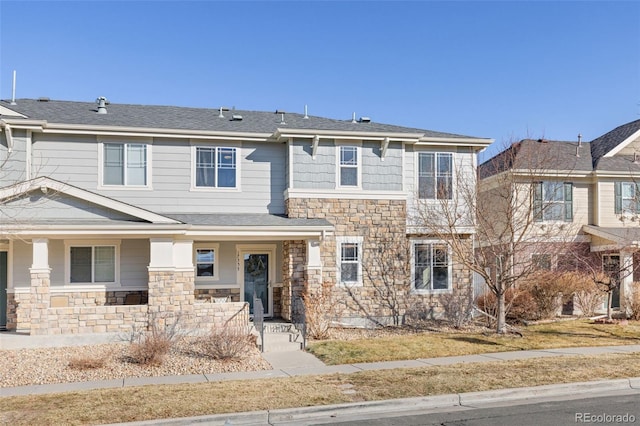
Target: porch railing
[(299, 319)]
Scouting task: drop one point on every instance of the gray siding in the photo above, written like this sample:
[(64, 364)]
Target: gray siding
[(310, 173), (261, 176), (14, 162), (134, 259), (379, 175), (23, 259)]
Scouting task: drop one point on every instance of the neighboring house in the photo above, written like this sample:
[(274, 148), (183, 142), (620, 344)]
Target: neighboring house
[(590, 189), (110, 212)]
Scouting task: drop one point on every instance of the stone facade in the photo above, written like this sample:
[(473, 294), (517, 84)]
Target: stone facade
[(208, 294), (293, 275)]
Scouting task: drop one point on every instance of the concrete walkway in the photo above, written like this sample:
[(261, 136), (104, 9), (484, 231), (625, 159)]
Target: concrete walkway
[(285, 364)]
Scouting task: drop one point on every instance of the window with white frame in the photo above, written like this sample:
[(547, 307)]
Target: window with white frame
[(349, 260), (92, 264), (206, 262), (349, 166), (215, 167), (627, 197), (125, 164), (431, 267), (435, 175)]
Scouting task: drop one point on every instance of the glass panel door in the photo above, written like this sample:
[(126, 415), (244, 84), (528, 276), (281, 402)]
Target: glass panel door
[(256, 280)]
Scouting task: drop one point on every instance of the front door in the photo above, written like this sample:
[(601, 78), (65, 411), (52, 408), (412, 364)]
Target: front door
[(257, 274), (3, 290)]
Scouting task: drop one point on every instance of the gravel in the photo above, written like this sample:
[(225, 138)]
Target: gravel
[(23, 367)]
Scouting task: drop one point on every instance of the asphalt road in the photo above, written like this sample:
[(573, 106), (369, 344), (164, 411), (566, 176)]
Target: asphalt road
[(607, 410)]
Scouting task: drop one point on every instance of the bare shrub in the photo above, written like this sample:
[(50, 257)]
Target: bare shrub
[(520, 305), (227, 342), (148, 347), (320, 310), (633, 302), (419, 312), (548, 288), (457, 308), (587, 297), (86, 363)]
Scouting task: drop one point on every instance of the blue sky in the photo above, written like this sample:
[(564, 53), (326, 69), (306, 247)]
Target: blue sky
[(502, 70)]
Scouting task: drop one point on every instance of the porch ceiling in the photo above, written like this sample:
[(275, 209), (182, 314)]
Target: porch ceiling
[(620, 237)]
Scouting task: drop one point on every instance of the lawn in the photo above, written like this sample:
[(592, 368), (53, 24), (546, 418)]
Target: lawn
[(171, 401), (437, 344)]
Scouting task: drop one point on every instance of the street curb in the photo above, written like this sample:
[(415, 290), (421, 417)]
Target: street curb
[(338, 412)]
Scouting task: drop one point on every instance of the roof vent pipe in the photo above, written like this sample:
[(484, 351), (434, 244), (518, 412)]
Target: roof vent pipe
[(13, 89), (353, 118), (220, 115), (580, 139), (102, 105), (306, 116)]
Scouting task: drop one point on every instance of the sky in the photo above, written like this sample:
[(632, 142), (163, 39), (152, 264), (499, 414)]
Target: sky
[(505, 70)]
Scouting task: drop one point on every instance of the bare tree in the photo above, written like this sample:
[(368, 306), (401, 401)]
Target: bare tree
[(521, 207)]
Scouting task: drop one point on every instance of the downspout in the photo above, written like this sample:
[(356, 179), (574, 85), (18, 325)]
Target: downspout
[(9, 135)]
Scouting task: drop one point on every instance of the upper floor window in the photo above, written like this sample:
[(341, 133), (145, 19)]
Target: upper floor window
[(627, 197), (215, 167), (125, 164), (553, 201), (349, 259), (349, 166), (435, 176), (431, 266)]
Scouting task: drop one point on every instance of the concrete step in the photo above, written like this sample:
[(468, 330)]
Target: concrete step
[(281, 337)]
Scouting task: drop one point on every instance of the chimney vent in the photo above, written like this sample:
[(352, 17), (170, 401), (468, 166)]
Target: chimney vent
[(365, 120), (102, 105), (236, 117)]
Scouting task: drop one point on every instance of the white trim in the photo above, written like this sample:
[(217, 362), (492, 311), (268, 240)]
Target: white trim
[(148, 143), (449, 288), (281, 134), (8, 111), (622, 145), (345, 193), (358, 166), (454, 172), (28, 156), (91, 197), (92, 243), (268, 249), (238, 155), (216, 262), (349, 240), (290, 150)]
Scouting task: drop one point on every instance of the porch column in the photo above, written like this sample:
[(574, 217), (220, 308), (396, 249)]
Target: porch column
[(40, 298), (626, 281), (171, 276)]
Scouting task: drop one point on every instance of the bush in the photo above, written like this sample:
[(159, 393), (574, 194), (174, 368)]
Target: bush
[(587, 297), (458, 308), (320, 308), (149, 347), (633, 302), (548, 289), (227, 343), (519, 305)]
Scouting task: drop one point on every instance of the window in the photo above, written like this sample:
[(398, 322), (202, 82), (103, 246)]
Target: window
[(206, 261), (349, 166), (435, 176), (627, 197), (541, 261), (553, 201), (349, 260), (125, 164), (92, 264), (431, 267), (215, 167)]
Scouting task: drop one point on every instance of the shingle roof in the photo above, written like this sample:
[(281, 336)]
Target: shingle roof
[(246, 219), (540, 155), (608, 141), (184, 118)]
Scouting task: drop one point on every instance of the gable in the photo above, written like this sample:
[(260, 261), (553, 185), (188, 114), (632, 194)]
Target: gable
[(66, 196)]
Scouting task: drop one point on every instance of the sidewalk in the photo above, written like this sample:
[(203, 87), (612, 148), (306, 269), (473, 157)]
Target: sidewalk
[(285, 364)]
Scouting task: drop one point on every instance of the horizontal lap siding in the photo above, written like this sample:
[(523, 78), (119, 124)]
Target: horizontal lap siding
[(134, 259), (69, 159), (14, 162)]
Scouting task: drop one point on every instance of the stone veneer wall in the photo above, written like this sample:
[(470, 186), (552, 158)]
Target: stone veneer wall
[(207, 294), (293, 275)]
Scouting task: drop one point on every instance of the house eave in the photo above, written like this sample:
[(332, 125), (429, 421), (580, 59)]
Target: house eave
[(284, 134)]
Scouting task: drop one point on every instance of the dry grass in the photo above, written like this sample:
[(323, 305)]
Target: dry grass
[(438, 344), (155, 402), (86, 363)]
